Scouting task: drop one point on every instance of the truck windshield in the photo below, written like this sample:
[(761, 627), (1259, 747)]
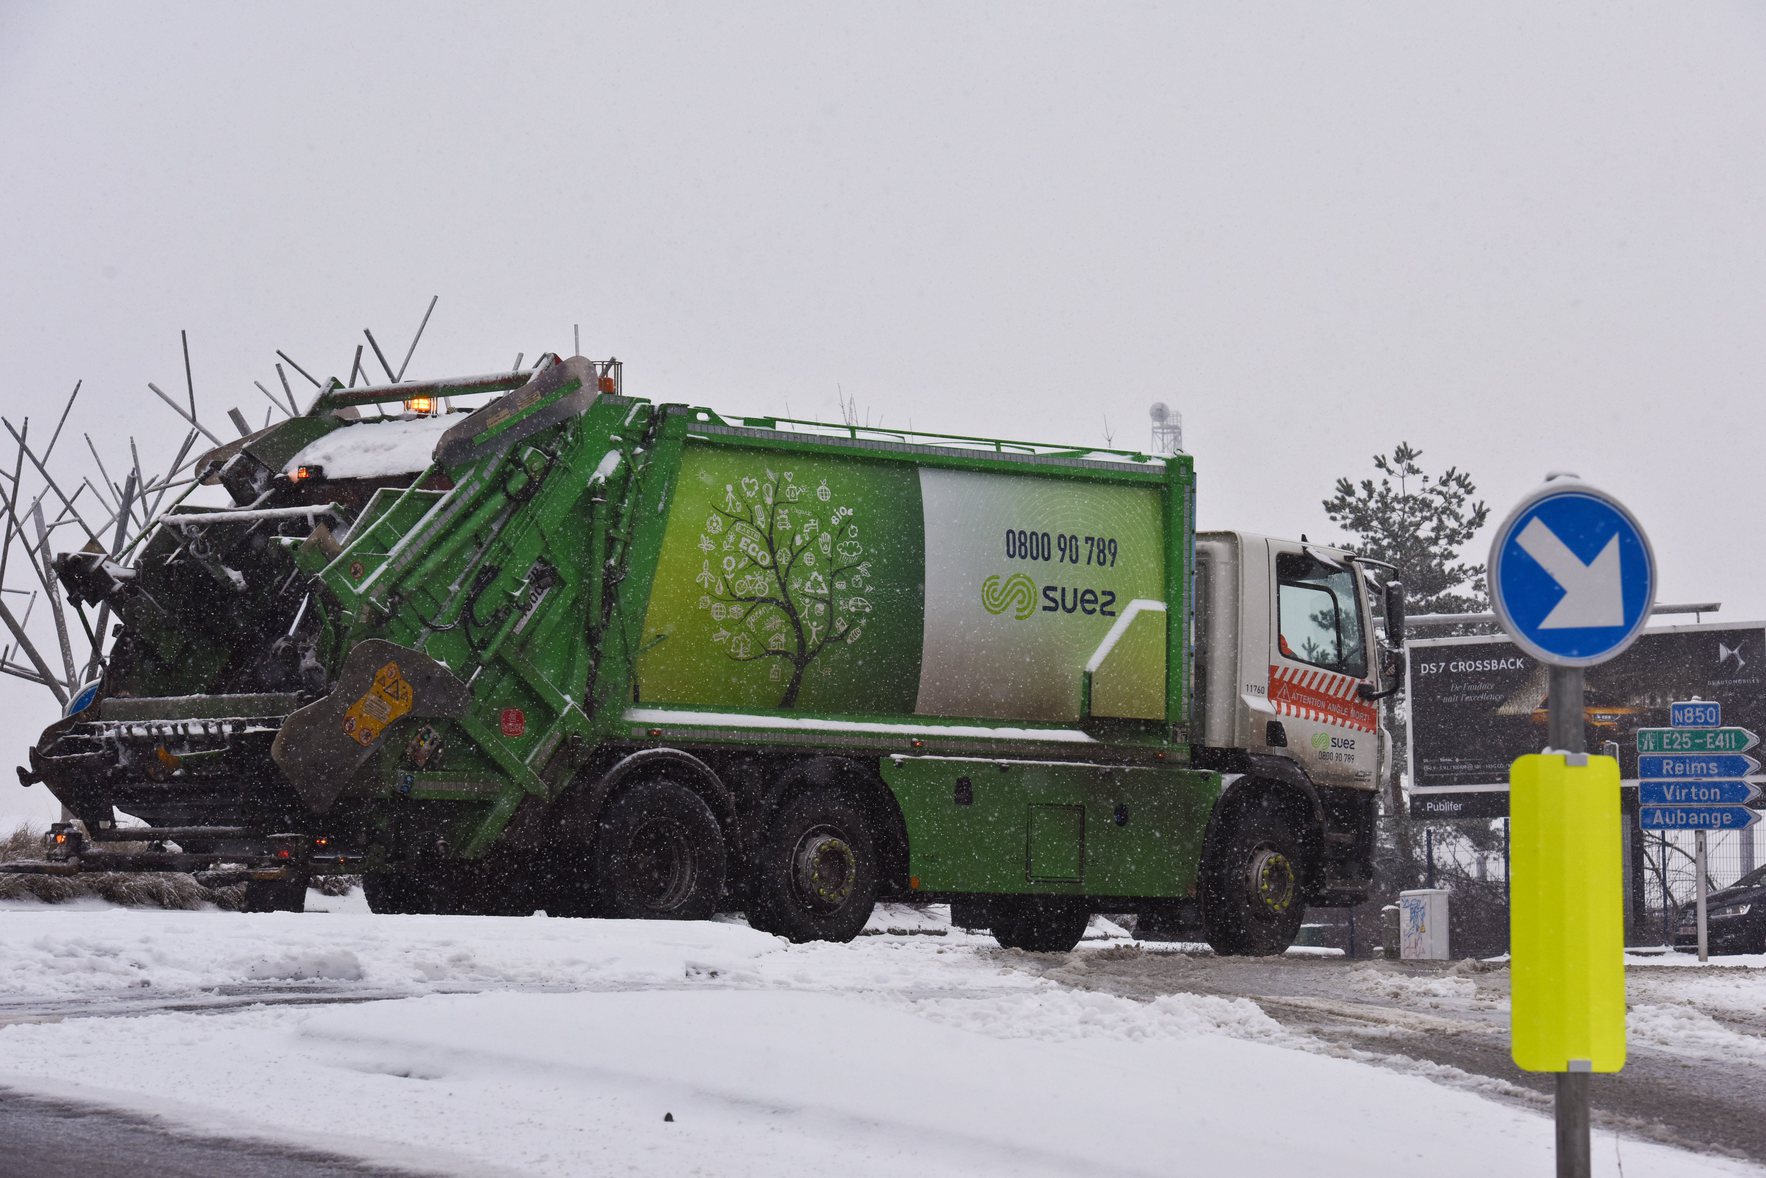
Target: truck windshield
[(1319, 614)]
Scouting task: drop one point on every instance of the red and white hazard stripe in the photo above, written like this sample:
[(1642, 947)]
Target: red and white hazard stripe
[(1323, 697)]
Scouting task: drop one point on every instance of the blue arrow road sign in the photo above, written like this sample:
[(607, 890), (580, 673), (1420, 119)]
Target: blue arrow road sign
[(1696, 817), (1572, 575), (1696, 793), (1696, 713), (1679, 766)]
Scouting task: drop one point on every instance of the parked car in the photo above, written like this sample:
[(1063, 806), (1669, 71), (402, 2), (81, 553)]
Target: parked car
[(1735, 918)]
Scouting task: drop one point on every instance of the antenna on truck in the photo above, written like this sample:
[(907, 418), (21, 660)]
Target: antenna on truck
[(1167, 430)]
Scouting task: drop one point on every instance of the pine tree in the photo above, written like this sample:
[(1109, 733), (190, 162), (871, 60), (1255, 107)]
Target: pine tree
[(1420, 523)]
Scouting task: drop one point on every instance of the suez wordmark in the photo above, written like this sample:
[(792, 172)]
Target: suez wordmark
[(1464, 666), (1067, 548)]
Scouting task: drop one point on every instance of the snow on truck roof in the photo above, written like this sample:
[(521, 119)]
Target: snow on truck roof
[(376, 449), (392, 446)]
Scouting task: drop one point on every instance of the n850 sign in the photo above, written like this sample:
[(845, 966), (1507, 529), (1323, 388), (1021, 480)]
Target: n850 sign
[(1695, 714)]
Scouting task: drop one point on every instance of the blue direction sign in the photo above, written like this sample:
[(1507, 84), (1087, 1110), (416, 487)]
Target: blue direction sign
[(1696, 817), (1720, 792), (1572, 575), (1698, 787), (1680, 766), (1695, 713)]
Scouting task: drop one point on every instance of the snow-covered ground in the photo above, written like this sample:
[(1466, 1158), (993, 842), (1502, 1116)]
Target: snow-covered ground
[(566, 1047)]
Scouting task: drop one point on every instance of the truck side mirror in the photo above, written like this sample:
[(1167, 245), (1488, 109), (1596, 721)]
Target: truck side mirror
[(1394, 674), (1395, 613)]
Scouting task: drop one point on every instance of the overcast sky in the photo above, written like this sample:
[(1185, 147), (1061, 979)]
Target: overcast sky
[(1522, 238)]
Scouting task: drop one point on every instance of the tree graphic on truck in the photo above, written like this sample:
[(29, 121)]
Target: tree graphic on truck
[(783, 574)]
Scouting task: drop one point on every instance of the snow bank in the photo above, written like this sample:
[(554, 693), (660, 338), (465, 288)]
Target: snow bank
[(708, 1048)]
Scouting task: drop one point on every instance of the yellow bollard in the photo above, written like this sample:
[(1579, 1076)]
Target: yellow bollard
[(1566, 915)]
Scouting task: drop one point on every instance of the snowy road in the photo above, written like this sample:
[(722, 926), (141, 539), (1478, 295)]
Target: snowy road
[(459, 1045), (1695, 1073), (49, 1139)]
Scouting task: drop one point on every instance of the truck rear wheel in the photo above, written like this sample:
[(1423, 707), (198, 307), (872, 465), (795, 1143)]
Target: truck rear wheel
[(1253, 886), (659, 855), (818, 874), (1038, 924)]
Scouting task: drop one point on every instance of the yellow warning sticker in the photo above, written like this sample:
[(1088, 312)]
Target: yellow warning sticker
[(388, 699)]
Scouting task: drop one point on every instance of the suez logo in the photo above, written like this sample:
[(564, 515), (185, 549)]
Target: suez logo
[(1018, 595), (1324, 740)]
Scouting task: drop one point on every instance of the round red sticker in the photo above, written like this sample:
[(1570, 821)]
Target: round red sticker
[(514, 722)]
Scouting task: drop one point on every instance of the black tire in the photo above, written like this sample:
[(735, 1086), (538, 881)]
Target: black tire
[(971, 913), (658, 855), (399, 893), (283, 895), (1253, 893), (819, 870), (1038, 924)]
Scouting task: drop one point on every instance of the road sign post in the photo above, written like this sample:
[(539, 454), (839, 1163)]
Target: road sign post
[(1698, 859), (1572, 578)]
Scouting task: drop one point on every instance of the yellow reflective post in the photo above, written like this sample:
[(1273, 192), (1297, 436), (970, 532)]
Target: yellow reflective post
[(1566, 914)]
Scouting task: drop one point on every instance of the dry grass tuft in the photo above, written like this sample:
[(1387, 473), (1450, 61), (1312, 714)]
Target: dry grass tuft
[(141, 889)]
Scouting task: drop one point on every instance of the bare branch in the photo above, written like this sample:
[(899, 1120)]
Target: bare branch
[(765, 654), (68, 408), (17, 473), (179, 410), (293, 408), (189, 381), (272, 396), (413, 348), (41, 469), (380, 356), (109, 483), (55, 611), (299, 369)]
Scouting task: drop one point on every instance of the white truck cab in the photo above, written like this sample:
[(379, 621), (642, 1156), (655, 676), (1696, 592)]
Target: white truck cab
[(1289, 672)]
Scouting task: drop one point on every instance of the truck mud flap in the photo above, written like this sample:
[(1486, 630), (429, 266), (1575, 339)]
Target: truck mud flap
[(323, 745)]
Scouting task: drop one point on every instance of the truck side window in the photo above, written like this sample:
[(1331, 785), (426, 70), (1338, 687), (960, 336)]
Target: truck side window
[(1318, 615)]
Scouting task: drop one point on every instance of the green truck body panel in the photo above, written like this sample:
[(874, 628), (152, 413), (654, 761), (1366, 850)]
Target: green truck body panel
[(1000, 634), (987, 826)]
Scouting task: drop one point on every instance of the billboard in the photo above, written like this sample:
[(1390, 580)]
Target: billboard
[(831, 585), (1478, 703)]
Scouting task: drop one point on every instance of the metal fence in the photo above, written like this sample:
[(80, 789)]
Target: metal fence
[(1661, 880), (1670, 877)]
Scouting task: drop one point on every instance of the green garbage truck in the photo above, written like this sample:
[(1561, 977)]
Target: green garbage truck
[(576, 651)]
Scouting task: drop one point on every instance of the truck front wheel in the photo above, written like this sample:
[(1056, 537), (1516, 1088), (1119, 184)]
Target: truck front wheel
[(1253, 884), (818, 873), (659, 854)]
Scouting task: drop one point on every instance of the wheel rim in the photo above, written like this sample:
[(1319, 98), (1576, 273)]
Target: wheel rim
[(661, 869), (1274, 884), (824, 870)]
